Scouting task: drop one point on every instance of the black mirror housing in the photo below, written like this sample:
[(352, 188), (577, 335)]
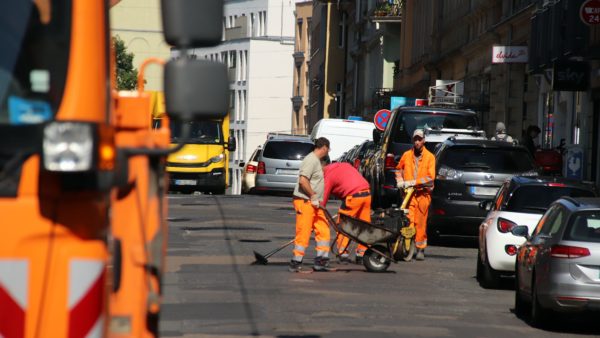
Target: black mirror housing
[(196, 89), (520, 231), (192, 23), (231, 143), (377, 136), (485, 205)]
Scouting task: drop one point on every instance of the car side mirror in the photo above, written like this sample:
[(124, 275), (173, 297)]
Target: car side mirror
[(520, 231), (192, 23), (376, 136), (196, 89), (231, 143), (485, 205)]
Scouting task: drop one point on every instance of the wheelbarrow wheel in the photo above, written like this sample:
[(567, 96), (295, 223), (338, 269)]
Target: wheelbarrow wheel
[(375, 262), (408, 249)]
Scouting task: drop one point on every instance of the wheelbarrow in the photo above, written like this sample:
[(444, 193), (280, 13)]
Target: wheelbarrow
[(390, 236)]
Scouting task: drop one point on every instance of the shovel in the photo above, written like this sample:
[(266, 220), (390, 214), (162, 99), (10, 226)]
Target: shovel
[(264, 259)]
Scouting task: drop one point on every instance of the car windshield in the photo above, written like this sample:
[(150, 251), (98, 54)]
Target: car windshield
[(536, 199), (287, 150), (495, 160), (584, 227), (202, 132), (409, 121), (35, 39)]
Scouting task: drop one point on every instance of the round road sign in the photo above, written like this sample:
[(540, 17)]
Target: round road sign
[(590, 12), (381, 118)]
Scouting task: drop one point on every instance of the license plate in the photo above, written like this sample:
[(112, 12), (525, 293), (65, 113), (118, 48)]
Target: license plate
[(484, 191), (287, 171), (186, 182)]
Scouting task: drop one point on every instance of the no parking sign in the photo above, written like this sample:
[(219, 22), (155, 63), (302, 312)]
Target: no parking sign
[(381, 118)]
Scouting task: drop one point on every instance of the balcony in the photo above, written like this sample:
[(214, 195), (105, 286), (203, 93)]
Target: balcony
[(239, 31), (387, 11)]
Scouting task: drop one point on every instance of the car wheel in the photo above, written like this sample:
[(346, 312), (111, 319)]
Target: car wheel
[(520, 304), (540, 317), (374, 262), (488, 277)]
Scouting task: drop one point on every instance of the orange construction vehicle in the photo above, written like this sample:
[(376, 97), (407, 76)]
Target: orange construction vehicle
[(82, 173)]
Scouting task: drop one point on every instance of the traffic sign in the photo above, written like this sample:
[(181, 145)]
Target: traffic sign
[(590, 12), (381, 118)]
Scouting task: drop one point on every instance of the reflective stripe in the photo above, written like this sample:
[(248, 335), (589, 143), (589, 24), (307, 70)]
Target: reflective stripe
[(298, 258), (322, 254), (323, 243), (86, 298), (299, 248), (421, 243), (345, 255), (14, 287), (360, 251)]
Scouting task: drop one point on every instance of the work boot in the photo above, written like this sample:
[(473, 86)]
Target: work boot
[(358, 260), (295, 266), (344, 259), (322, 265), (420, 254)]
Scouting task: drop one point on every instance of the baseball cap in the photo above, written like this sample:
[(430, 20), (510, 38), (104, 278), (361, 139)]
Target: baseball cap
[(418, 132)]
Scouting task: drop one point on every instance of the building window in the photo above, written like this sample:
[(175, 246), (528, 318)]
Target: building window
[(342, 30), (264, 23), (252, 25), (299, 34), (232, 59)]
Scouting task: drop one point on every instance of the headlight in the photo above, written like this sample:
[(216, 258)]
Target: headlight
[(446, 173), (217, 159), (68, 147)]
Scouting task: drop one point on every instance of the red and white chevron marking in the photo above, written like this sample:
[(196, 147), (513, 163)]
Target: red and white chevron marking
[(86, 297), (14, 282)]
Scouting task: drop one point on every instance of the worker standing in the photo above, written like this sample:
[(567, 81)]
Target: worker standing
[(308, 194), (416, 168), (343, 181)]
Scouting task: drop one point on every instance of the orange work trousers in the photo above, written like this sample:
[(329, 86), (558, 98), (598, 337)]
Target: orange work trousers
[(417, 214), (357, 207), (309, 219)]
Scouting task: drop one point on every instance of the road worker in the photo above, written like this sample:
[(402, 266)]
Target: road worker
[(343, 181), (308, 194), (416, 168), (501, 134)]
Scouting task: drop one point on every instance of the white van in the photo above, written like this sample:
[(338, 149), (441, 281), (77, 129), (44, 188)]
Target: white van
[(342, 134)]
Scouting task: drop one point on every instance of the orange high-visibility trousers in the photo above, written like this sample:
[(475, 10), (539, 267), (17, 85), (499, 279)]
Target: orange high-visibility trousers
[(309, 218), (417, 213), (357, 207)]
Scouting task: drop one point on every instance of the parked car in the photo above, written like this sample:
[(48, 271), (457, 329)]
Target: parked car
[(364, 149), (249, 171), (279, 162), (437, 123), (520, 201), (468, 172), (342, 134), (558, 267)]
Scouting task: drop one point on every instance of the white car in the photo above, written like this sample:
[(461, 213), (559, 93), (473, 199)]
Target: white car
[(520, 201), (249, 171)]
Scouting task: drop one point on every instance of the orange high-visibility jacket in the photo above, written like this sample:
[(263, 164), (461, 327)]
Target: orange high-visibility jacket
[(425, 169)]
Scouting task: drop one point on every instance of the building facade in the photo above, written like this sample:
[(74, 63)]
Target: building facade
[(300, 91), (258, 41), (138, 23)]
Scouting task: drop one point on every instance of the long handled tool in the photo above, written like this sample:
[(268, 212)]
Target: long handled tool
[(263, 259)]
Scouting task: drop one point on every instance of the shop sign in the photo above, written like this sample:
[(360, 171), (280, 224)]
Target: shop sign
[(590, 12), (509, 54), (572, 76)]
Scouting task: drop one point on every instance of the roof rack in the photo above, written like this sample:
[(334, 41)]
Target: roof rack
[(441, 96), (273, 135)]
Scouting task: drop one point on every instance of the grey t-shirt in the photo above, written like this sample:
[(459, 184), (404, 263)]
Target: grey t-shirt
[(312, 169)]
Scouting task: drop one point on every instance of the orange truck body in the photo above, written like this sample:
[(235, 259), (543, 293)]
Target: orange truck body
[(86, 262)]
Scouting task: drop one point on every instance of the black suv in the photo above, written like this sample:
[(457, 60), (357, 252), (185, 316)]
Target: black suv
[(437, 123), (468, 172)]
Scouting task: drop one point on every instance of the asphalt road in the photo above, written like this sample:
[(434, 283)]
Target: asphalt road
[(212, 289)]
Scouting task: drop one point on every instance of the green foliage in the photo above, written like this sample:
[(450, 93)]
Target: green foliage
[(126, 73)]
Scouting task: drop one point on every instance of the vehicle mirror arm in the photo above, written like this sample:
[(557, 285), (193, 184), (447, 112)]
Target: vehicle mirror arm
[(186, 131)]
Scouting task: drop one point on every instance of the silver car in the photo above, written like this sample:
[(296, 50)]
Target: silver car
[(558, 267), (279, 162)]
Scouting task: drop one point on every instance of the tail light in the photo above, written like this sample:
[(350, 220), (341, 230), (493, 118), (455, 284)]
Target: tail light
[(251, 168), (390, 163), (566, 251), (356, 163), (446, 173), (505, 225), (261, 168), (510, 249), (440, 212)]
